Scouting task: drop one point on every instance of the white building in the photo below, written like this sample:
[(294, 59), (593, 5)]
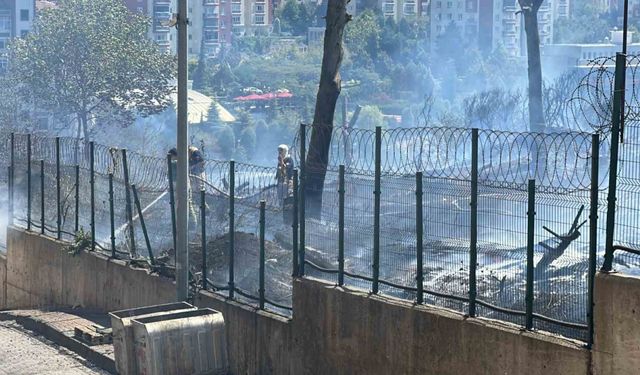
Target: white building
[(16, 19), (493, 23)]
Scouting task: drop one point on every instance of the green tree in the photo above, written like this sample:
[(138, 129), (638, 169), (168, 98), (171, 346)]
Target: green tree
[(370, 117), (92, 56), (295, 17), (362, 38), (587, 24)]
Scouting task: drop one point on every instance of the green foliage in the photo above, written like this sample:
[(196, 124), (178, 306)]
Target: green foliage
[(587, 24), (89, 56), (226, 141), (295, 17), (81, 242), (362, 38), (370, 117), (248, 139)]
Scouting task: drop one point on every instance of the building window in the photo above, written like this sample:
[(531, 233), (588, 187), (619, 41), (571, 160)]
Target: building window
[(259, 19), (3, 44), (259, 8), (24, 14), (235, 20), (5, 24), (236, 7)]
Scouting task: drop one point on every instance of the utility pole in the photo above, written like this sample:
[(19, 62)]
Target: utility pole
[(182, 188)]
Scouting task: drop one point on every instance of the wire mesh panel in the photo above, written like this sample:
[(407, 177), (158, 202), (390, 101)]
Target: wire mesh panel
[(562, 262)]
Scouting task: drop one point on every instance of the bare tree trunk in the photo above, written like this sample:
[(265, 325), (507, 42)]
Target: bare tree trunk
[(328, 92), (536, 115)]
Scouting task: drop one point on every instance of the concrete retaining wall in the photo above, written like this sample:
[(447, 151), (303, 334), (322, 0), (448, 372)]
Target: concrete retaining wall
[(41, 273), (333, 331), (617, 328), (346, 332)]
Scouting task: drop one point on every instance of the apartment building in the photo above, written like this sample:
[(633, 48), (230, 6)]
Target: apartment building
[(16, 19), (213, 23), (398, 9), (492, 23)]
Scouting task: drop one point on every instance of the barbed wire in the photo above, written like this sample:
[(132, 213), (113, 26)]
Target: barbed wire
[(559, 161)]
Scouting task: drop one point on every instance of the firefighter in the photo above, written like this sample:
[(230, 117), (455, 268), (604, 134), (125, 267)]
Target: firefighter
[(284, 174), (196, 166)]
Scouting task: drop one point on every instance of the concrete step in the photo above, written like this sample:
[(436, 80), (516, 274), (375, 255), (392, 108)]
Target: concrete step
[(59, 325)]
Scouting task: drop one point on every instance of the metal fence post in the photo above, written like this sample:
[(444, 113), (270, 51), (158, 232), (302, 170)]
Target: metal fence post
[(232, 226), (341, 192), (9, 191), (92, 182), (262, 260), (302, 200), (12, 179), (172, 200), (76, 225), (376, 210), (125, 168), (42, 220), (531, 214), (58, 208), (28, 181), (473, 258), (142, 224), (111, 217), (617, 113), (593, 230), (203, 227), (419, 241), (295, 223)]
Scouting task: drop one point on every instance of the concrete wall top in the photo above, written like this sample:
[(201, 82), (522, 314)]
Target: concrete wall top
[(617, 328)]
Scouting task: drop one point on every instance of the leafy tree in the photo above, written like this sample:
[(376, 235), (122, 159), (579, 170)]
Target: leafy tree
[(370, 117), (587, 24), (362, 38), (295, 17), (92, 56), (226, 141), (248, 139)]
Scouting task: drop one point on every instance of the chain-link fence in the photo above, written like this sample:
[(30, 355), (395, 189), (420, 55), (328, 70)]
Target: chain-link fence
[(456, 235)]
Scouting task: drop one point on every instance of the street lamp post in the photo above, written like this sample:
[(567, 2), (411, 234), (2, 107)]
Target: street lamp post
[(182, 189)]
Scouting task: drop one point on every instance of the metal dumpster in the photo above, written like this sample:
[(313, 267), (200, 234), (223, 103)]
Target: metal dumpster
[(183, 343), (123, 345)]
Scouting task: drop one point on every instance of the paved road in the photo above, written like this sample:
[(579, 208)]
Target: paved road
[(23, 352)]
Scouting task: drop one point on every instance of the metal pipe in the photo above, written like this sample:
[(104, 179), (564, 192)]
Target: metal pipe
[(182, 185), (12, 179), (203, 228), (92, 183), (129, 209), (28, 181), (473, 239), (42, 223), (58, 187), (111, 217), (593, 230), (142, 224), (419, 241), (172, 201), (9, 192), (531, 214), (341, 192), (621, 62), (262, 260), (295, 224), (76, 225), (301, 188), (376, 210), (232, 226)]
